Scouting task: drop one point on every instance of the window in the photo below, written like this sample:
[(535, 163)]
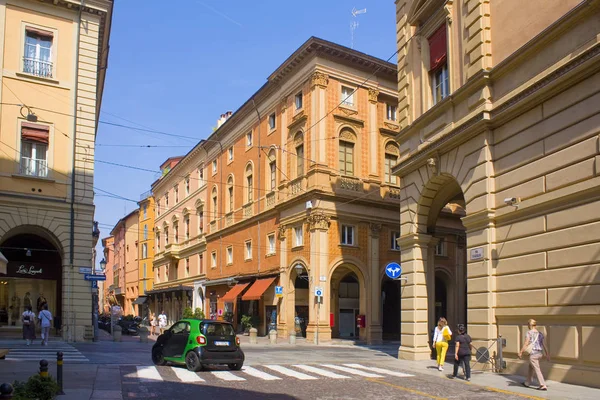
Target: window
[(272, 121), (440, 247), (249, 184), (144, 286), (187, 267), (200, 264), (248, 245), (249, 139), (158, 207), (145, 211), (298, 236), (214, 166), (347, 236), (273, 174), (346, 157), (230, 153), (167, 201), (230, 207), (229, 255), (37, 57), (298, 101), (390, 161), (144, 250), (166, 235), (271, 243), (201, 177), (176, 232), (187, 227), (347, 96), (157, 240), (157, 274), (144, 270), (200, 222), (394, 236), (213, 259), (299, 160), (390, 112), (214, 204), (438, 66), (176, 188), (145, 232), (187, 185), (34, 149)]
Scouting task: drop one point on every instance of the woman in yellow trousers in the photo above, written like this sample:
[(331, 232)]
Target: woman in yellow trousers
[(441, 337)]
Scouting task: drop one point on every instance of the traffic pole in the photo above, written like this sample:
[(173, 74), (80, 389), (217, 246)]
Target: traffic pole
[(59, 372), (44, 369)]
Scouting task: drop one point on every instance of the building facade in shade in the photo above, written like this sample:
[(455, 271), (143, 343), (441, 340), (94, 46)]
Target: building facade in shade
[(146, 251), (301, 197), (125, 265), (107, 296), (498, 115), (54, 59), (179, 233)]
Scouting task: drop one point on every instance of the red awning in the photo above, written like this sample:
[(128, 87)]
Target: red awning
[(234, 292), (39, 32), (437, 48), (257, 289), (35, 132)]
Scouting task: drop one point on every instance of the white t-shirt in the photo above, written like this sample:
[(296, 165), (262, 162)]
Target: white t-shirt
[(162, 320), (438, 335), (46, 318)]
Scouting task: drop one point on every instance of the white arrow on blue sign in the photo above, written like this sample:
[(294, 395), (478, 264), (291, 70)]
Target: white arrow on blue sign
[(279, 290), (393, 270), (90, 277)]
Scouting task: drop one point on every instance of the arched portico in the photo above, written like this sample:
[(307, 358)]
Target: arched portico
[(347, 299)]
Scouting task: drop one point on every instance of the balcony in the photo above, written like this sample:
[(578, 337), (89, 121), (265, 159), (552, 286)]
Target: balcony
[(248, 210), (350, 183), (296, 187), (34, 167), (229, 219), (270, 200), (213, 226), (37, 67)]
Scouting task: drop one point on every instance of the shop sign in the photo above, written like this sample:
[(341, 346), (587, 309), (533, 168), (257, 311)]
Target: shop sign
[(29, 270), (19, 269)]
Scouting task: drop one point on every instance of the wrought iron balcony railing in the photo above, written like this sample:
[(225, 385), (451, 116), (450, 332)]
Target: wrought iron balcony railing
[(34, 167), (37, 67)]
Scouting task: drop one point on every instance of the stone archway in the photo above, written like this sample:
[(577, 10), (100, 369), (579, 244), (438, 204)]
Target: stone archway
[(348, 299)]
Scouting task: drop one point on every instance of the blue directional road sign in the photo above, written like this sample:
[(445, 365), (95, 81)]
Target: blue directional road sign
[(393, 270), (279, 291), (90, 277)]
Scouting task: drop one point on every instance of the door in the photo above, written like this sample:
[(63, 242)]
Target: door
[(347, 323), (177, 341), (270, 318), (220, 336)]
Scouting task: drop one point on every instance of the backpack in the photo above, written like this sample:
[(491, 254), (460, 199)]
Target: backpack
[(26, 319)]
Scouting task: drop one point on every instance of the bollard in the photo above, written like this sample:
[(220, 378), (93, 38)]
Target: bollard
[(44, 369), (59, 372), (117, 333), (273, 336), (143, 332), (253, 338), (293, 336), (6, 391)]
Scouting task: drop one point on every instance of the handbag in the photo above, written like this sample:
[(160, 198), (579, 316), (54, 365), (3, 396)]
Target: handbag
[(529, 348), (446, 333)]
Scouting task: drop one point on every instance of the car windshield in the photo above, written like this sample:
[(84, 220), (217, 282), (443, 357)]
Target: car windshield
[(212, 329)]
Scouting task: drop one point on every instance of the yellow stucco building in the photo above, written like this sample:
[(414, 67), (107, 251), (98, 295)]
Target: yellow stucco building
[(146, 249), (498, 113), (53, 56)]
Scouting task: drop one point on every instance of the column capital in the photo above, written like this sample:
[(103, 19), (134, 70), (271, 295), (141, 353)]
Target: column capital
[(375, 229), (373, 94), (319, 79), (413, 239), (319, 221), (284, 101), (281, 230)]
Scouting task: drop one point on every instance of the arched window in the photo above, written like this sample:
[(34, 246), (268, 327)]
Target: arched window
[(214, 203), (299, 146), (200, 213), (272, 170), (230, 205), (391, 159), (346, 152), (175, 229), (249, 184)]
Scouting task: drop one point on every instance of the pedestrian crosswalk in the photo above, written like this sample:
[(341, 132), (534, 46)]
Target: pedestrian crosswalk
[(19, 351), (302, 372)]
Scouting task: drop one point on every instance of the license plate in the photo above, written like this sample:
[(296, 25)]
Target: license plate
[(221, 343)]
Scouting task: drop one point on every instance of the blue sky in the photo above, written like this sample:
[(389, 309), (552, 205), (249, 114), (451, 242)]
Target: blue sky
[(176, 65)]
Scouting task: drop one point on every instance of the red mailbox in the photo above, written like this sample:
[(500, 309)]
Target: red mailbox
[(361, 321), (331, 320)]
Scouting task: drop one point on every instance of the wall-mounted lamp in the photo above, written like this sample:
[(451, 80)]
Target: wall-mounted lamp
[(28, 253)]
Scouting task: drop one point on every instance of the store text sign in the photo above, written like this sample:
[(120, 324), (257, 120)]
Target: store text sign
[(29, 270)]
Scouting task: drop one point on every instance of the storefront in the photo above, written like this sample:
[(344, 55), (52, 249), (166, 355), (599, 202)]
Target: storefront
[(171, 300)]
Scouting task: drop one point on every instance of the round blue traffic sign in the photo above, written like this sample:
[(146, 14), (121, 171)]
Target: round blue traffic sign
[(393, 270)]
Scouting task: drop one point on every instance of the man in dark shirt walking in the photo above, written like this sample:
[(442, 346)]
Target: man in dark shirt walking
[(463, 352)]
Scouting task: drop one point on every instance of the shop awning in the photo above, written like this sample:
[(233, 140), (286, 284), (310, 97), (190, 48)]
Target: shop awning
[(258, 288), (234, 292), (140, 300)]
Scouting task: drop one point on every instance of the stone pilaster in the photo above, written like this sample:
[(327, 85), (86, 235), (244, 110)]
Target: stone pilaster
[(319, 82), (286, 304), (284, 142), (374, 150), (374, 330)]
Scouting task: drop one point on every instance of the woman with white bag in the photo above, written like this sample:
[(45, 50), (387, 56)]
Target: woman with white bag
[(535, 346)]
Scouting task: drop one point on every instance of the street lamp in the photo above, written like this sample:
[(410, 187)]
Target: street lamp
[(103, 265)]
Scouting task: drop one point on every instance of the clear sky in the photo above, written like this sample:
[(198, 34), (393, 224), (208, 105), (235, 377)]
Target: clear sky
[(176, 65)]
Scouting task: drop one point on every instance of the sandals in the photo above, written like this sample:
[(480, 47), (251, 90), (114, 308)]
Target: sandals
[(542, 388)]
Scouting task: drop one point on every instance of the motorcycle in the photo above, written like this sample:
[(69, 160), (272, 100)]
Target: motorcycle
[(130, 327)]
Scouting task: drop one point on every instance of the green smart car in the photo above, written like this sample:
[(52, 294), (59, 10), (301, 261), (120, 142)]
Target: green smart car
[(197, 343)]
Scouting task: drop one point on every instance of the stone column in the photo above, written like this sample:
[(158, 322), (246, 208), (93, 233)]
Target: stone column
[(374, 150), (374, 330), (287, 303), (319, 250), (414, 328), (319, 82)]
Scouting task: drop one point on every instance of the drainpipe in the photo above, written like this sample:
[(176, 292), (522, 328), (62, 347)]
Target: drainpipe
[(258, 185), (71, 326)]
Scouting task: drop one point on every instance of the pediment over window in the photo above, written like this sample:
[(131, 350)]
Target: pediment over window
[(421, 10)]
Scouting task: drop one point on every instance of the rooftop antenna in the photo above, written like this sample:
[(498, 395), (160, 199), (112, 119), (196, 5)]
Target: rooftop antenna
[(354, 23)]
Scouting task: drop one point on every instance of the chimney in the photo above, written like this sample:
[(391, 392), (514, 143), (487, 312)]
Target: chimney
[(221, 120), (228, 114)]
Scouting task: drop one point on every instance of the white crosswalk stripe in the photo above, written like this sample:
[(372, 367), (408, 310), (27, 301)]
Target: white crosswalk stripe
[(290, 372), (227, 376), (186, 376), (19, 351), (322, 372), (352, 371), (259, 374), (380, 370), (148, 374)]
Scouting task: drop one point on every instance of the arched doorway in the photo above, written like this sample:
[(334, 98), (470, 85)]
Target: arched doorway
[(345, 302), (300, 280), (34, 277), (390, 305), (441, 299)]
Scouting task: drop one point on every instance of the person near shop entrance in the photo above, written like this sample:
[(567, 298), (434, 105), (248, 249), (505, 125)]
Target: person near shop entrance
[(162, 322), (152, 324), (45, 318), (441, 337), (463, 352), (28, 319)]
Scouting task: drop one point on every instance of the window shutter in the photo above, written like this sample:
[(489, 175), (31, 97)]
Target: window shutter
[(35, 133), (39, 32), (437, 48)]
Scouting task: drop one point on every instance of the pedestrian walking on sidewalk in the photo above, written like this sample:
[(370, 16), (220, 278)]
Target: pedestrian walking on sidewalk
[(462, 352), (441, 336), (535, 346), (28, 319), (45, 318), (152, 324), (162, 322)]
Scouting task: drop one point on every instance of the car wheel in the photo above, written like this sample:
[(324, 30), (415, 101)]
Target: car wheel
[(192, 361), (235, 367), (157, 357)]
